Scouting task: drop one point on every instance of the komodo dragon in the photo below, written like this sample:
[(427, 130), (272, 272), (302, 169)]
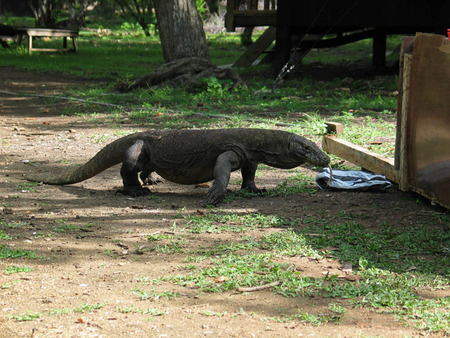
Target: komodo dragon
[(195, 156)]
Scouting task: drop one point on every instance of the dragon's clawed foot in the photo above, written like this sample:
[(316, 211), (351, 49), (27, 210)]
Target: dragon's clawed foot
[(134, 191)]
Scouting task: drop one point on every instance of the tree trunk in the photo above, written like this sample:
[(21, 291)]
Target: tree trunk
[(180, 30), (213, 6), (185, 51), (43, 12)]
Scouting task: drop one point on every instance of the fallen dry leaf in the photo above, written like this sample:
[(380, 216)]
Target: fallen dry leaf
[(221, 279)]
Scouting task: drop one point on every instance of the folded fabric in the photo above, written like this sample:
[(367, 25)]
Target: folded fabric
[(352, 180)]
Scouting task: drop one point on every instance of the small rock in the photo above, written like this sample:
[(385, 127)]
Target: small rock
[(8, 211)]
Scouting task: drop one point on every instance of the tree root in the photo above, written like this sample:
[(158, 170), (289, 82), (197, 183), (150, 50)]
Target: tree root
[(184, 73)]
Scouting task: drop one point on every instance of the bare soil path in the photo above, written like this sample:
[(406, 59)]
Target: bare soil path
[(93, 242)]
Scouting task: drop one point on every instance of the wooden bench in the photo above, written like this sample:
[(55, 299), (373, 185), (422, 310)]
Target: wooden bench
[(47, 32)]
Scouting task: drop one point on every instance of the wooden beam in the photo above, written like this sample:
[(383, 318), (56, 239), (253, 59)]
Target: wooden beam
[(252, 18), (401, 149), (334, 128), (379, 49), (360, 156), (255, 49), (229, 16)]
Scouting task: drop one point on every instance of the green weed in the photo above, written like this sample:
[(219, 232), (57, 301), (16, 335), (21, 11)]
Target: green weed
[(218, 222), (24, 317), (154, 295), (83, 308), (28, 186), (7, 252), (132, 309), (89, 307), (14, 225), (4, 236), (16, 269)]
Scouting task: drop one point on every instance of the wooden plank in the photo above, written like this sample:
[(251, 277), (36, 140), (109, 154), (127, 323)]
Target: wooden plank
[(252, 18), (49, 32), (334, 128), (360, 156), (427, 130), (255, 49), (229, 16), (52, 50), (401, 149), (407, 47)]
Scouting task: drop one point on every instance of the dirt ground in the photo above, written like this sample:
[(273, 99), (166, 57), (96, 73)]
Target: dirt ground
[(101, 264)]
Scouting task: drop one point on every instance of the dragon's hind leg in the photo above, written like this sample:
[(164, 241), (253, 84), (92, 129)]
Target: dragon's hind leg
[(135, 160)]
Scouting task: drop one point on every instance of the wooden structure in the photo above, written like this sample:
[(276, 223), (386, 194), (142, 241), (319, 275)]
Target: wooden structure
[(302, 24), (249, 13), (422, 159), (46, 32)]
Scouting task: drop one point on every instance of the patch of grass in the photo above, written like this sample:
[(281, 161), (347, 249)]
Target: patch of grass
[(297, 184), (384, 281), (41, 235), (132, 309), (288, 243), (63, 227), (28, 186), (315, 320), (158, 237), (174, 246), (16, 269), (214, 314), (14, 225), (154, 295), (217, 221), (66, 228), (9, 285), (337, 308), (4, 236), (7, 252), (390, 248), (24, 317), (60, 312), (234, 269), (84, 308)]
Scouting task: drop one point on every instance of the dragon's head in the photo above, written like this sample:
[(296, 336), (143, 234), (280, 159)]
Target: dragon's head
[(308, 151)]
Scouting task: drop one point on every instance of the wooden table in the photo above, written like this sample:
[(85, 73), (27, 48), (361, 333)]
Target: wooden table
[(47, 32)]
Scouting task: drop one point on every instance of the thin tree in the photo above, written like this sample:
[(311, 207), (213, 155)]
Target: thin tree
[(140, 10)]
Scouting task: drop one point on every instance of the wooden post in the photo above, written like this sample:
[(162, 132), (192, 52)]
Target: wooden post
[(229, 16), (379, 49), (401, 144), (334, 128), (255, 49), (283, 46), (30, 44)]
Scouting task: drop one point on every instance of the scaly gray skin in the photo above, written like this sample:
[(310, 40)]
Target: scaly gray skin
[(195, 156)]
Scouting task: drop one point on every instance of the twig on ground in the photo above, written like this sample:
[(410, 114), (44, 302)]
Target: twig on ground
[(259, 287)]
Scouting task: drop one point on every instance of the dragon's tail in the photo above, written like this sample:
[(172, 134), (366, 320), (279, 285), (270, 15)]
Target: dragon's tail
[(110, 155)]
